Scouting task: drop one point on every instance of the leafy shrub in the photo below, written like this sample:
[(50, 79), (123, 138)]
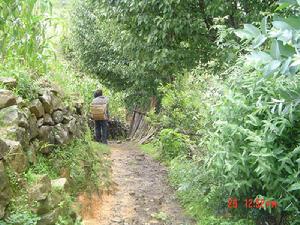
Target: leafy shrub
[(256, 139), (81, 160), (151, 149), (253, 147), (22, 33), (173, 144), (200, 193), (255, 152), (184, 105), (26, 81), (180, 107)]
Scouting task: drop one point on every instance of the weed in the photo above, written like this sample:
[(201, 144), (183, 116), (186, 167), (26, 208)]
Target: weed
[(151, 150), (21, 218), (160, 216)]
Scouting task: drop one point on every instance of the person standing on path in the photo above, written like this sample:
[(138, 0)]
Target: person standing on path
[(99, 111)]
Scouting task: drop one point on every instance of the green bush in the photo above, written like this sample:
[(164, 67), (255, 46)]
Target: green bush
[(256, 138), (180, 108), (22, 33), (184, 105), (82, 160), (252, 128), (173, 144), (255, 154), (200, 194)]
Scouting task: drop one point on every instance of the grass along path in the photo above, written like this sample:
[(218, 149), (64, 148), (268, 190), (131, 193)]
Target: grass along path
[(140, 194)]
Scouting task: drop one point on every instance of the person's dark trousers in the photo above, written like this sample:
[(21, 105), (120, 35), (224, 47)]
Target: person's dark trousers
[(101, 131)]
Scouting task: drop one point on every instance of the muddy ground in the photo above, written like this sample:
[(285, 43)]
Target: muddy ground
[(140, 194)]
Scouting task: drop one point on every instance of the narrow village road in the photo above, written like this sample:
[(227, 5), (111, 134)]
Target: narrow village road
[(140, 196)]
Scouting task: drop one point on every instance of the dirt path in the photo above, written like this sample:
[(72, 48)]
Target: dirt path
[(141, 195)]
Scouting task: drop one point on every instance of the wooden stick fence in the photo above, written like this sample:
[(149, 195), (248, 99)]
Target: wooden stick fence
[(140, 131)]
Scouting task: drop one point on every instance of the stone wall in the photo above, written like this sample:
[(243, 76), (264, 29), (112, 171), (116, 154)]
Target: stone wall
[(30, 126), (117, 130)]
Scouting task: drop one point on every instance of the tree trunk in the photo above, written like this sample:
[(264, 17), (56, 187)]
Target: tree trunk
[(207, 20)]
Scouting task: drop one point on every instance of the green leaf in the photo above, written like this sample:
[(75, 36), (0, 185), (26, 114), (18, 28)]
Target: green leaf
[(296, 61), (257, 58), (275, 51), (293, 21), (294, 187), (290, 2), (257, 42), (264, 25), (285, 36), (254, 31), (243, 34), (282, 6), (285, 66), (271, 67), (281, 25), (296, 151), (286, 50), (288, 169)]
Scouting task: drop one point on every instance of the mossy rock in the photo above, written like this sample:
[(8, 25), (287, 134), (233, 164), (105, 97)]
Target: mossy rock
[(7, 98)]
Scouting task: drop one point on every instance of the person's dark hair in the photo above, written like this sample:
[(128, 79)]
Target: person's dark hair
[(98, 93)]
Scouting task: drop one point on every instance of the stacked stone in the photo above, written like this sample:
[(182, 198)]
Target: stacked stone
[(117, 130), (25, 127), (47, 194)]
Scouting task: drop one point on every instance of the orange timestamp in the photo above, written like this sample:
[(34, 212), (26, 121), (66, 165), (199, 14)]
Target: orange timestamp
[(249, 203)]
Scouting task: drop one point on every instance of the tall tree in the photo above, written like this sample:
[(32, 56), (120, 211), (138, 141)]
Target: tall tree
[(139, 45)]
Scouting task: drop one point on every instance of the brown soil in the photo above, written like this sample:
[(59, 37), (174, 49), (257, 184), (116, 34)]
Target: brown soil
[(140, 196)]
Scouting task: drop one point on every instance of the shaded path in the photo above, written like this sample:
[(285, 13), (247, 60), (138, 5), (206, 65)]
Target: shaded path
[(141, 196)]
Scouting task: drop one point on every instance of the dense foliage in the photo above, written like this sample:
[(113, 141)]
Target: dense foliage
[(256, 123), (228, 112), (22, 32), (138, 45), (246, 126), (27, 54)]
